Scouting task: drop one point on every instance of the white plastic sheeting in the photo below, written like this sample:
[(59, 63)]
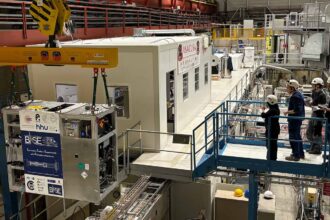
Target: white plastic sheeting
[(313, 47)]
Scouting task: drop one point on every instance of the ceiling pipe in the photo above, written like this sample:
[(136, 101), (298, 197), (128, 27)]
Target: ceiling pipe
[(267, 66), (165, 32)]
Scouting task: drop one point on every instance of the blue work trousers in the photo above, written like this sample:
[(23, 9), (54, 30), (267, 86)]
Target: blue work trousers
[(295, 138)]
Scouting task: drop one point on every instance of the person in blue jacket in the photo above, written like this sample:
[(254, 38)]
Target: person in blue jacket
[(296, 108)]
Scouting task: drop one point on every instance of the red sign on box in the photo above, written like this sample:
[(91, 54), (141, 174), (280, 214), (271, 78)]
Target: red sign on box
[(326, 188)]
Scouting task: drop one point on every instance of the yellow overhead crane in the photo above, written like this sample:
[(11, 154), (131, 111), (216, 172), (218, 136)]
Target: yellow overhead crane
[(85, 57), (52, 16)]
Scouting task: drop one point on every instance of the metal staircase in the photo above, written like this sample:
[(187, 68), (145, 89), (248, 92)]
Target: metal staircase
[(208, 155)]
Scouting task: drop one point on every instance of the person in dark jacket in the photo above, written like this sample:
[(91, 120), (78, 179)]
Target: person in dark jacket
[(314, 129), (296, 108), (230, 64), (272, 126), (326, 108), (327, 116)]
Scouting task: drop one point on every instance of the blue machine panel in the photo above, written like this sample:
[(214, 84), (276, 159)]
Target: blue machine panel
[(42, 154)]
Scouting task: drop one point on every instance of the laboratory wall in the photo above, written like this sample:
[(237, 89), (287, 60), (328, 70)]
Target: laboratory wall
[(187, 109), (143, 71), (167, 62), (188, 200), (135, 70)]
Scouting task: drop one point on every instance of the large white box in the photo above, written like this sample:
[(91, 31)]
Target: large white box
[(248, 56)]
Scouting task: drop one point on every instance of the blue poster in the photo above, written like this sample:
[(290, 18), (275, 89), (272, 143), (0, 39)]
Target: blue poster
[(42, 154)]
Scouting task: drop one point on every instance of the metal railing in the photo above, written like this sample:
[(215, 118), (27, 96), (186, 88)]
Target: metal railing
[(235, 32), (15, 15), (123, 150), (295, 20), (283, 139), (32, 204), (240, 91), (203, 135), (226, 124), (283, 58), (163, 139)]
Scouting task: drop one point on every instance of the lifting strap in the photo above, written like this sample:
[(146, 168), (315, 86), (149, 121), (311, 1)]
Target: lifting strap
[(95, 78)]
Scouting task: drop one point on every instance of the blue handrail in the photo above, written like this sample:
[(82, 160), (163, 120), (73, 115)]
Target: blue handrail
[(218, 130)]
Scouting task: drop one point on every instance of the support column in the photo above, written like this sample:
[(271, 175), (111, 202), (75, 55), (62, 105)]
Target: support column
[(253, 196), (9, 199), (225, 10)]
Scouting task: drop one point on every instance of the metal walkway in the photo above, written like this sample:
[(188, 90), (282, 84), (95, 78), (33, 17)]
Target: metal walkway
[(226, 145), (223, 147)]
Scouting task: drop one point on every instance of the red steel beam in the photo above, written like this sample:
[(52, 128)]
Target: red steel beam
[(24, 20), (14, 37), (27, 36), (106, 22), (85, 20), (146, 3)]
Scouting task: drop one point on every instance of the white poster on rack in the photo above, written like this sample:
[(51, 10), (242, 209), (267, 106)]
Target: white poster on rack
[(41, 143), (66, 93), (188, 55), (39, 121), (44, 185)]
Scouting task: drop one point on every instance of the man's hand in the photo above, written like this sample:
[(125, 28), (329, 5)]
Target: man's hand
[(290, 112), (308, 101), (315, 108), (324, 108)]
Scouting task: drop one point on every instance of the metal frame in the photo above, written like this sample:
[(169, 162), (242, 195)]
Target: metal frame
[(221, 114), (10, 200), (129, 147)]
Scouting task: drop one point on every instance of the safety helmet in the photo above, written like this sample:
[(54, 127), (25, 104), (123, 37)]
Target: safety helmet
[(238, 192), (293, 83), (328, 81), (317, 81), (268, 194), (271, 99), (247, 193)]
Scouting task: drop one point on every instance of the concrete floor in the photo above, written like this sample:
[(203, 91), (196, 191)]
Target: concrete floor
[(285, 205)]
